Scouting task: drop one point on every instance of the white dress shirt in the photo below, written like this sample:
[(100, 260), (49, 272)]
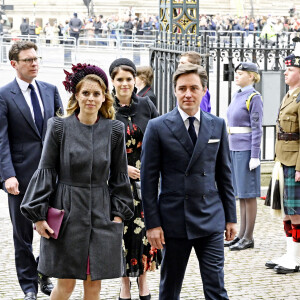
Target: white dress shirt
[(186, 121), (24, 86)]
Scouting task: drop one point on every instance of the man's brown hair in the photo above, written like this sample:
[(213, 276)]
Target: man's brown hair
[(145, 73), (191, 69), (19, 46), (193, 57)]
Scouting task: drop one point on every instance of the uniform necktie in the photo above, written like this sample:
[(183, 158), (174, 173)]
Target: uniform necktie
[(191, 130), (38, 117)]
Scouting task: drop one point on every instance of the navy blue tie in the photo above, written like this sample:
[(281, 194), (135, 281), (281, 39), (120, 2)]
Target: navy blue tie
[(191, 130), (38, 117)]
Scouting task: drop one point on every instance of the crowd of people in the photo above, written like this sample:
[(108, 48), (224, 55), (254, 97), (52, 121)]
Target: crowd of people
[(114, 26), (129, 191), (109, 26)]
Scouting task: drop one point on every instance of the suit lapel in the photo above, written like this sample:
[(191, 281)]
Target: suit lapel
[(20, 101), (44, 93), (175, 123), (205, 132), (288, 100)]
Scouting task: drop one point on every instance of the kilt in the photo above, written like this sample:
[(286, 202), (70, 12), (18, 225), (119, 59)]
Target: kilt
[(291, 195)]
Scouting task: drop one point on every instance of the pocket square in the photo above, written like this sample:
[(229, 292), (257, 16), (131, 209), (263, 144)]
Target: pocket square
[(213, 141)]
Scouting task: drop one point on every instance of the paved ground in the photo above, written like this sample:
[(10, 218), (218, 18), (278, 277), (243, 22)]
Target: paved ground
[(245, 274)]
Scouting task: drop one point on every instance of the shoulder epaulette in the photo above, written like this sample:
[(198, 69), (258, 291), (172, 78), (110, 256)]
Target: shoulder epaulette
[(250, 97)]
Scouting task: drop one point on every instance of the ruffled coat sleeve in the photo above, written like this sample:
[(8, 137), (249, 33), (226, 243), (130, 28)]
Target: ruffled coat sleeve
[(119, 184), (43, 182)]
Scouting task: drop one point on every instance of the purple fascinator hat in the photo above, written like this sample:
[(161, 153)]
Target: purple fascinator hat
[(79, 71)]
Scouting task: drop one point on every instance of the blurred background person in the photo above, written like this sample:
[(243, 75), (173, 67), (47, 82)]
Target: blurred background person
[(193, 57), (144, 80)]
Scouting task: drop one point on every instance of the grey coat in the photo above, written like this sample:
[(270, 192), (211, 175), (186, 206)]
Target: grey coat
[(83, 170)]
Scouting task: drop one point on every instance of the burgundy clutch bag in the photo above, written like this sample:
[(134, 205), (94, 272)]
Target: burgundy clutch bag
[(54, 220)]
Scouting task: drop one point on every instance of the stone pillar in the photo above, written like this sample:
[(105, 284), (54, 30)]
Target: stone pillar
[(179, 16)]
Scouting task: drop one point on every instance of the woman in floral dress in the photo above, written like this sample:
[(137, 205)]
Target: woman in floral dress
[(134, 112)]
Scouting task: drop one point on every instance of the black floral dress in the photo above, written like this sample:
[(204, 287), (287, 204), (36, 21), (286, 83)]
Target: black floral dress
[(139, 256)]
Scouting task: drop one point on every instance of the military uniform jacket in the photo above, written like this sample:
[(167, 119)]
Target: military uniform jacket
[(287, 152), (83, 170)]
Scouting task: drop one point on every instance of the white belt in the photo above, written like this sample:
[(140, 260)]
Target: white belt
[(233, 130)]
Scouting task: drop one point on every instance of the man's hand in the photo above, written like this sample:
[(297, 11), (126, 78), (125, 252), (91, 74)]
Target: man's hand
[(297, 176), (133, 172), (43, 229), (12, 186), (156, 237), (230, 231)]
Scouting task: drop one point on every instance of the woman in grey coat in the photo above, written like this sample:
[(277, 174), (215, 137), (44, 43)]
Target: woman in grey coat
[(83, 170)]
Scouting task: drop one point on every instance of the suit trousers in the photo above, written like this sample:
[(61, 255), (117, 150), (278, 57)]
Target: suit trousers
[(210, 254), (26, 264)]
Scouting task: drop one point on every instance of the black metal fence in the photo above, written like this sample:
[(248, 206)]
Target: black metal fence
[(220, 53)]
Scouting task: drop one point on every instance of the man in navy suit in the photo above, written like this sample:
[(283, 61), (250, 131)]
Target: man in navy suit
[(25, 106), (188, 150)]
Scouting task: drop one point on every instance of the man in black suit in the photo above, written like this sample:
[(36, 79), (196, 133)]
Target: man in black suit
[(188, 150), (24, 27), (25, 106), (75, 26)]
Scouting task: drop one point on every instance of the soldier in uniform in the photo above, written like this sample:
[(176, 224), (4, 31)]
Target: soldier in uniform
[(287, 152)]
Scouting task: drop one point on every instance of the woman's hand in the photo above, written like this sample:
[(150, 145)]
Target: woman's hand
[(254, 163), (117, 220), (133, 172), (43, 229)]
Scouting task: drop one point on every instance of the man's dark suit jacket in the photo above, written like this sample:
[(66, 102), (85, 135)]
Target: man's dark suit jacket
[(20, 141), (196, 197)]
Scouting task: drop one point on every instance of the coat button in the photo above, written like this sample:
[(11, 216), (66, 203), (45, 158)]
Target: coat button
[(186, 197), (203, 197), (203, 174), (187, 174), (288, 118)]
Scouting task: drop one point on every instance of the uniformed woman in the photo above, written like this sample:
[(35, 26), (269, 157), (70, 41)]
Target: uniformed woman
[(287, 150), (244, 117)]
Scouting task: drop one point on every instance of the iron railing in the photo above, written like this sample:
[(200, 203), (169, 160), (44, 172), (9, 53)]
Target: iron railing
[(219, 56)]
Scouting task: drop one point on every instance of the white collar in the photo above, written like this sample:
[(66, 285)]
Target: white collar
[(246, 88), (185, 116), (24, 85)]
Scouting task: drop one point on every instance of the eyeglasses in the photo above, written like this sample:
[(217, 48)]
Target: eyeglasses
[(29, 61)]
